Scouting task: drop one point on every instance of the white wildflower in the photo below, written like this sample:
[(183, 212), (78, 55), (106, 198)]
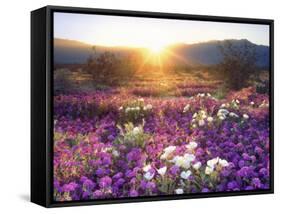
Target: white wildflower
[(202, 95), (107, 149), (147, 107), (170, 149), (197, 165), (115, 153), (148, 175), (146, 168), (163, 156), (194, 115), (127, 109), (208, 170), (192, 145), (186, 108), (137, 131), (210, 119), (202, 112), (185, 174), (181, 161), (223, 162), (162, 171), (179, 191), (211, 163), (167, 152), (223, 111), (201, 122), (232, 114), (245, 116), (264, 104), (189, 157)]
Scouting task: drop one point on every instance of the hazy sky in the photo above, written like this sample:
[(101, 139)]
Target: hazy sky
[(147, 32)]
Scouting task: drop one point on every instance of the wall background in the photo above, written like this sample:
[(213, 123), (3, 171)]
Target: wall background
[(15, 105)]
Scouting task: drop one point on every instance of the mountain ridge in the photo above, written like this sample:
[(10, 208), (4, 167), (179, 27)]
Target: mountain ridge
[(204, 53)]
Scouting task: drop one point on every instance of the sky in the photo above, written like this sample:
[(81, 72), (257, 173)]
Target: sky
[(150, 32)]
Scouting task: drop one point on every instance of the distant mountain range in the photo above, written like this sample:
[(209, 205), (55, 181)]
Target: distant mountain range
[(205, 53)]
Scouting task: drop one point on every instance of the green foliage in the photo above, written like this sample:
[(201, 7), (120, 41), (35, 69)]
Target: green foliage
[(221, 92), (132, 136), (262, 87), (62, 81), (239, 63), (110, 69), (166, 185), (102, 66)]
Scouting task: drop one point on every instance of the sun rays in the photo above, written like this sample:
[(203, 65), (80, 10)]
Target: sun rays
[(156, 48), (159, 56)]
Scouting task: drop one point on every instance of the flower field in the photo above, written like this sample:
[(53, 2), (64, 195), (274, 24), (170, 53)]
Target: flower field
[(130, 142)]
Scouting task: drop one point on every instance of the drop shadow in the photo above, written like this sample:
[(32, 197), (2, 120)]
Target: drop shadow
[(24, 197)]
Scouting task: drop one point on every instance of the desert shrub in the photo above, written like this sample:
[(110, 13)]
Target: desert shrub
[(128, 65), (62, 81), (109, 68), (238, 64), (102, 67), (221, 92), (262, 87)]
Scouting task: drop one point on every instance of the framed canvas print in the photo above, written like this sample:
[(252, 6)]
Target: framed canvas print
[(141, 106)]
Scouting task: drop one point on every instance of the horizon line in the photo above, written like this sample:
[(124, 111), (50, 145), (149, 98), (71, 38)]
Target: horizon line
[(171, 44)]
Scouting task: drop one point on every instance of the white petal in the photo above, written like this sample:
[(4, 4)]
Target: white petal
[(197, 165), (162, 170), (185, 174), (179, 191)]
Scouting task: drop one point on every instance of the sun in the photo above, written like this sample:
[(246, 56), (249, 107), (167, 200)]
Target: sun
[(156, 49)]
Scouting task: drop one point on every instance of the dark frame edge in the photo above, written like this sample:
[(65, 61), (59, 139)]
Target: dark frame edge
[(153, 14), (160, 198), (49, 106), (38, 154), (271, 105)]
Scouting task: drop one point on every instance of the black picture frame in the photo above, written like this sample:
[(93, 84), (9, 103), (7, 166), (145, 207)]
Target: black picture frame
[(42, 103)]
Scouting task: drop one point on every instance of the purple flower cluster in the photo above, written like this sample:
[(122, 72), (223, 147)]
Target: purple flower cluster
[(191, 144)]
